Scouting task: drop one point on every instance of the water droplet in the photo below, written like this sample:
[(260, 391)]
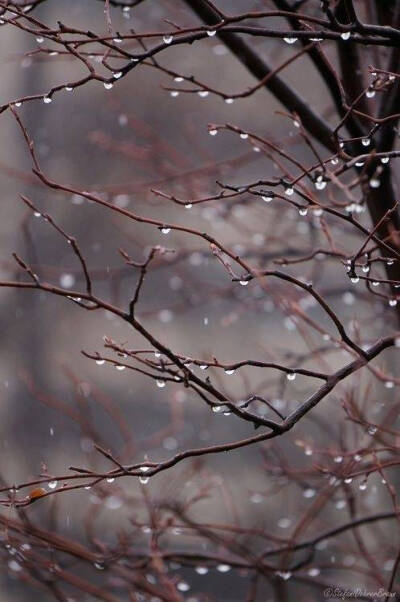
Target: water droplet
[(372, 430), (348, 480), (188, 205), (285, 575), (223, 568), (363, 486), (118, 74), (229, 371), (203, 366), (385, 160), (182, 586), (357, 458), (119, 367), (374, 183), (291, 376), (289, 191), (229, 101), (370, 93), (309, 493), (366, 141), (203, 93), (201, 570), (68, 88), (67, 280), (244, 136), (267, 197), (110, 480), (392, 302), (160, 384), (338, 459), (290, 40), (345, 35), (165, 230), (314, 572), (284, 523), (52, 484), (47, 100), (211, 32), (108, 85), (303, 211), (144, 480), (213, 132), (244, 282), (100, 362), (99, 566), (168, 38), (355, 279), (320, 185), (174, 93), (389, 384)]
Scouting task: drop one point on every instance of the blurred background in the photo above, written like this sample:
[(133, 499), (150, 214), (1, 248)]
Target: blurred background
[(55, 403)]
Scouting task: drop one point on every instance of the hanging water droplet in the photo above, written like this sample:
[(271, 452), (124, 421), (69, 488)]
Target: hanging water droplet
[(357, 458), (366, 268), (52, 484), (100, 362), (188, 205), (289, 191), (314, 572), (165, 230), (309, 493), (291, 376), (110, 480), (303, 211), (229, 371), (389, 384), (203, 93), (355, 279), (285, 575), (144, 480), (174, 93), (370, 93), (348, 480), (117, 75), (223, 568), (108, 85), (160, 384), (244, 136), (345, 35), (47, 100), (229, 101), (284, 523), (211, 32), (244, 282), (290, 40), (320, 184), (213, 132), (335, 161), (363, 486), (203, 366), (366, 141), (338, 459), (99, 566), (119, 367), (201, 570), (182, 586), (392, 302), (68, 88), (168, 38), (372, 430), (374, 183), (267, 196)]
